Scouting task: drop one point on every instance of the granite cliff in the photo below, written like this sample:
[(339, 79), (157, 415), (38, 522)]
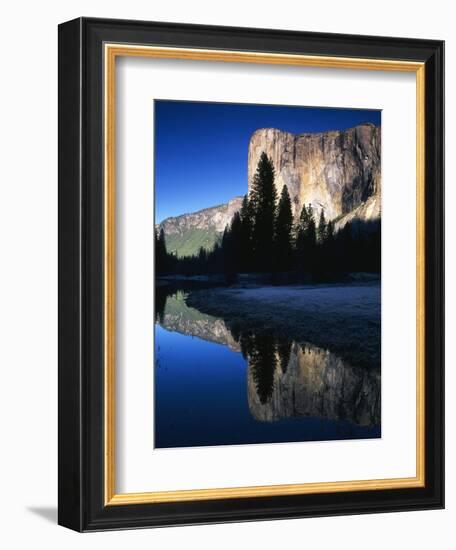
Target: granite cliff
[(338, 171)]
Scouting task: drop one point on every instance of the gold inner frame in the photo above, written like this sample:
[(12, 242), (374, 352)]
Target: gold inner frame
[(111, 52)]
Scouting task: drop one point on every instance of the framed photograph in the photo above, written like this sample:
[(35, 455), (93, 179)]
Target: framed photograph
[(250, 274)]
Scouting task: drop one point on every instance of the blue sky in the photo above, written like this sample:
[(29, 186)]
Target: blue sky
[(201, 148)]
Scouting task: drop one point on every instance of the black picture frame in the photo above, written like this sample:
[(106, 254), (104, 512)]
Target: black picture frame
[(81, 472)]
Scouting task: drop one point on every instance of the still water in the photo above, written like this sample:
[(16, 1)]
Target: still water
[(215, 386)]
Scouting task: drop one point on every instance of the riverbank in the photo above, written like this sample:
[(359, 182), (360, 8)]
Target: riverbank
[(344, 318)]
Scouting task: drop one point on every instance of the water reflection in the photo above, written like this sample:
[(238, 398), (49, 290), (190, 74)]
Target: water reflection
[(161, 295), (173, 314), (285, 379), (260, 350), (315, 383)]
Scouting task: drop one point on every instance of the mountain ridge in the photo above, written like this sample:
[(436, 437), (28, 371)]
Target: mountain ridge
[(187, 233)]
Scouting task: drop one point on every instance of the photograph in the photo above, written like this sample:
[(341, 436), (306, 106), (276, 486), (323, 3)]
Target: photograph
[(223, 272), (267, 273)]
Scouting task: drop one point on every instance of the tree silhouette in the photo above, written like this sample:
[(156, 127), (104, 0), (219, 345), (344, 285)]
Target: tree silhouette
[(246, 247), (284, 351), (330, 231), (321, 231), (306, 240), (263, 199), (262, 238), (232, 245), (161, 256), (161, 295), (283, 233), (260, 351), (300, 231)]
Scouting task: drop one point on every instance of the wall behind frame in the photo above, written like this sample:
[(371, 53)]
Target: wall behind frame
[(28, 286)]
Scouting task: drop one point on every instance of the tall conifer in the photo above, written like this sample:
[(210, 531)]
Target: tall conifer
[(284, 226), (246, 234), (161, 255), (263, 198), (321, 231)]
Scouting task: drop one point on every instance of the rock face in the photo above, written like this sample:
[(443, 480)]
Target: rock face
[(317, 383), (216, 216), (337, 170), (187, 233)]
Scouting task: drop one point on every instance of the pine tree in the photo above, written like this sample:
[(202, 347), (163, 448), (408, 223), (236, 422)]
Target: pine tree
[(226, 249), (345, 242), (235, 243), (161, 255), (202, 259), (246, 235), (311, 241), (299, 233), (330, 231), (263, 198), (306, 240), (321, 231), (283, 233)]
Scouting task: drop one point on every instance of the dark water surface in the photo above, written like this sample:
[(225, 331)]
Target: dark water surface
[(214, 386)]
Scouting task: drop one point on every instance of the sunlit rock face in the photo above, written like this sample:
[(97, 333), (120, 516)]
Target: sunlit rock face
[(217, 217), (313, 382), (337, 170)]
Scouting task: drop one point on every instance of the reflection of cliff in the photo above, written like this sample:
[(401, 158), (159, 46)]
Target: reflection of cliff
[(285, 379), (315, 383), (178, 317)]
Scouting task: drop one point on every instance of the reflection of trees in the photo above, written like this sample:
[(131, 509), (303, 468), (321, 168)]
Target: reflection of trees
[(315, 383), (163, 290), (262, 363), (285, 378), (284, 351), (263, 353), (261, 350), (161, 294)]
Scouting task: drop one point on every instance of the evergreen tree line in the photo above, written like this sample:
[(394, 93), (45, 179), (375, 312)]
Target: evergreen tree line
[(263, 237)]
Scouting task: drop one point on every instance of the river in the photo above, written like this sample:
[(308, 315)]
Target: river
[(215, 386)]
